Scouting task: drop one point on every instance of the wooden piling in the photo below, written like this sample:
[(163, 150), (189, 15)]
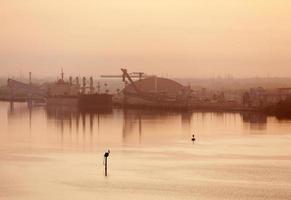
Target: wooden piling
[(105, 165)]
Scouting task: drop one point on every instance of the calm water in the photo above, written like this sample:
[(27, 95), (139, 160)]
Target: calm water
[(58, 154)]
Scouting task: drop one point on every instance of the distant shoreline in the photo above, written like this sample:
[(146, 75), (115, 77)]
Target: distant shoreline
[(268, 111)]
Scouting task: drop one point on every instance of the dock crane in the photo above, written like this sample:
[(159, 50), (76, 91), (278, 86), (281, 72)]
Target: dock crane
[(125, 75), (157, 97), (151, 96)]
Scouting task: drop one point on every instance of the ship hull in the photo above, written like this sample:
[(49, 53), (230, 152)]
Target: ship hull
[(62, 101), (88, 101), (83, 101)]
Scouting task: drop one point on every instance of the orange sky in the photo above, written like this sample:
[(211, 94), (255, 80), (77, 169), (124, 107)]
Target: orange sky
[(194, 38)]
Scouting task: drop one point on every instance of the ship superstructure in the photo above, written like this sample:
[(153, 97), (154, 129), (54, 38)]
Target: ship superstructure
[(62, 93)]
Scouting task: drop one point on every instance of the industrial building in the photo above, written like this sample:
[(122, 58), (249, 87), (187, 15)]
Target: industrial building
[(152, 91)]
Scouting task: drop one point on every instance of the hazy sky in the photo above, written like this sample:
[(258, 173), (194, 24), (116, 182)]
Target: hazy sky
[(195, 38)]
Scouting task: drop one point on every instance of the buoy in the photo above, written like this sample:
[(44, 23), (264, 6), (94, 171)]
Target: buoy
[(193, 138)]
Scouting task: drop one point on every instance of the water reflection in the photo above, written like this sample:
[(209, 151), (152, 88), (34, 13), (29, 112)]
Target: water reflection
[(142, 125), (56, 152), (72, 118), (130, 121), (257, 121), (131, 126), (20, 110), (186, 121), (134, 122)]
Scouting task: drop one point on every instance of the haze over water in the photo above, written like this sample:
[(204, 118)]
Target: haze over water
[(58, 154)]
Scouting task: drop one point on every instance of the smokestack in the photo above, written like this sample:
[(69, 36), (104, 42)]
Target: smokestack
[(62, 74), (84, 85), (77, 81), (91, 85), (98, 86), (29, 78), (71, 80), (78, 84)]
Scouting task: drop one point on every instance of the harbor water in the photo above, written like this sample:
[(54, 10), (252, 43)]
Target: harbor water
[(57, 153)]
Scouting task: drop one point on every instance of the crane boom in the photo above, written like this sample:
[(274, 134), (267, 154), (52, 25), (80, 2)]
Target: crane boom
[(129, 76), (126, 75), (117, 76)]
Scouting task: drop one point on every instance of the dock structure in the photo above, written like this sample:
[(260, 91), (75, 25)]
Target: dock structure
[(140, 91), (150, 91), (23, 92)]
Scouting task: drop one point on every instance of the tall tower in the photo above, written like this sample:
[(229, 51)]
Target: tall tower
[(91, 85), (62, 74), (29, 78), (84, 85)]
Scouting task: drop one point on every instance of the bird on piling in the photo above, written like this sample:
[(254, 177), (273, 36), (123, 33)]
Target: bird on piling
[(106, 154)]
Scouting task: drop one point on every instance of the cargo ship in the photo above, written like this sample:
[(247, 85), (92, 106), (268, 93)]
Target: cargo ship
[(94, 101), (62, 93)]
